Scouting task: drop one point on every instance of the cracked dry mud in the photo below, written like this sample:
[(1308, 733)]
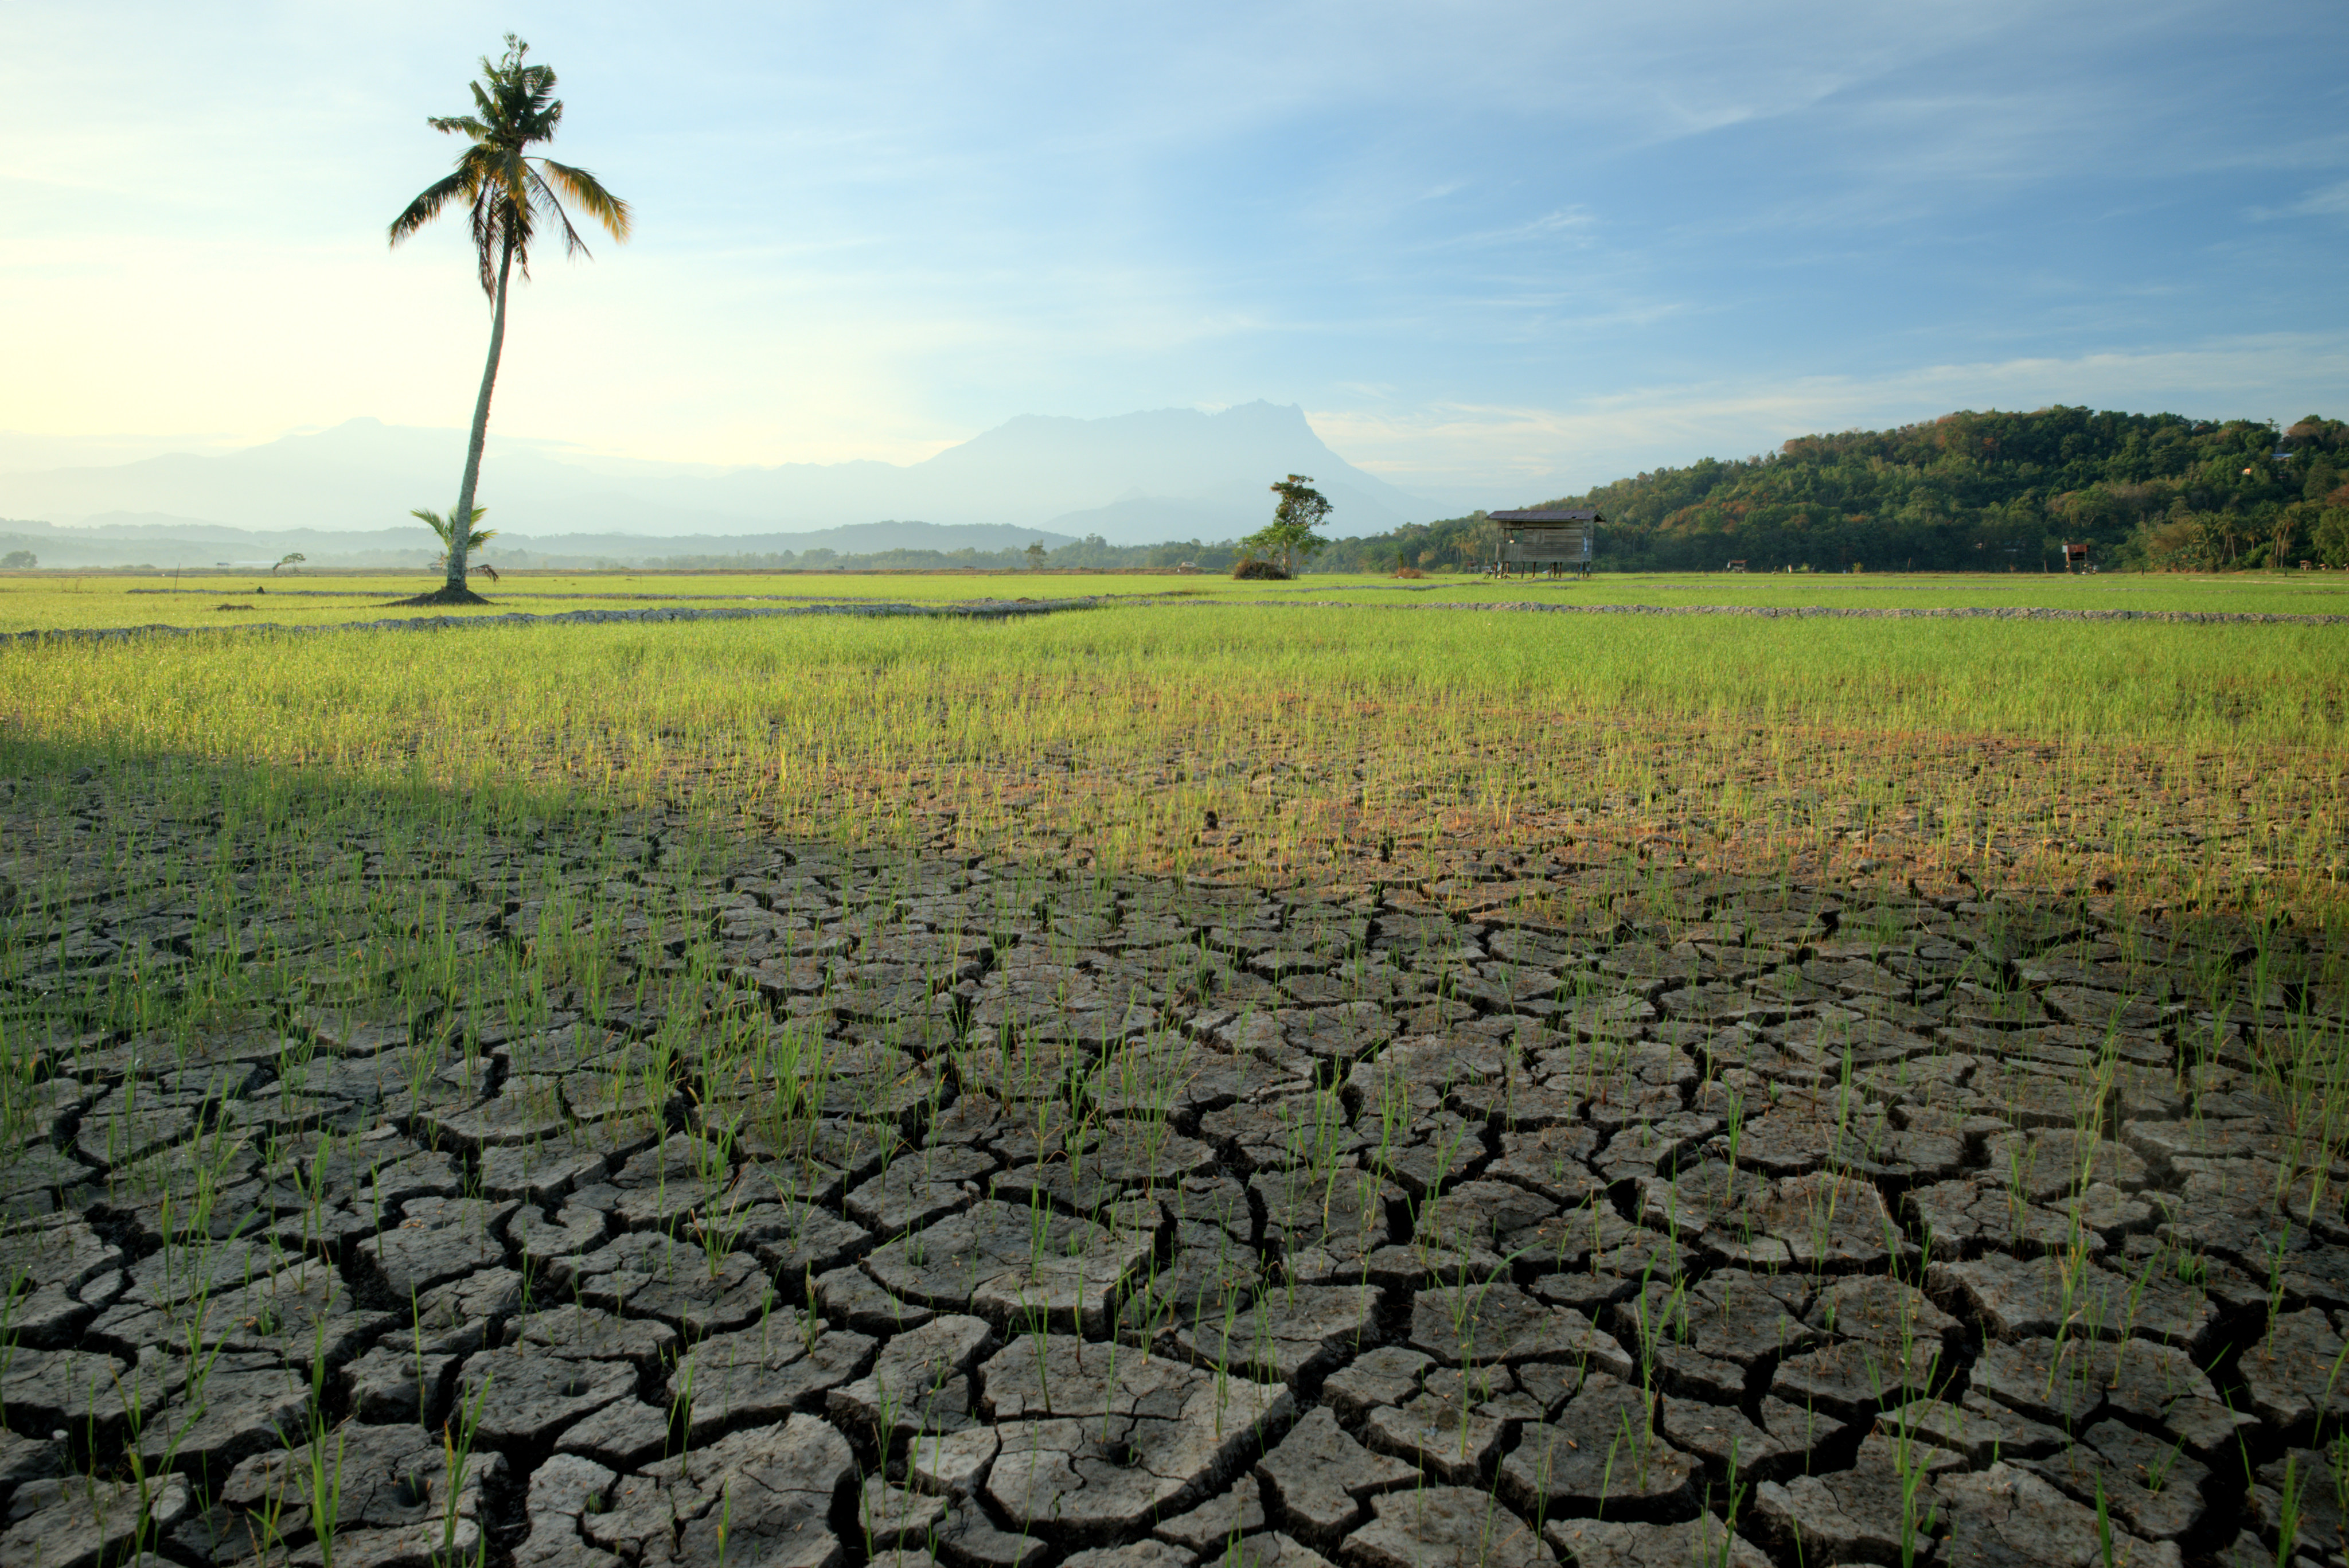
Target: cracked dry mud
[(962, 1216)]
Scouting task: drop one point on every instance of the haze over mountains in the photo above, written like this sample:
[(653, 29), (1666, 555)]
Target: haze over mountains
[(1142, 478)]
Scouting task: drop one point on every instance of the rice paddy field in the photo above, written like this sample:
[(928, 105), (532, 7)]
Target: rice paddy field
[(1006, 1072), (33, 601)]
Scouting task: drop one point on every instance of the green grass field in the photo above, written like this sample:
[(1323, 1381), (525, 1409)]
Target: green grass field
[(31, 601), (2187, 760)]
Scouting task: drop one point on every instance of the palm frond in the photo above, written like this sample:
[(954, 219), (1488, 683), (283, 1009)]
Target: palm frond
[(483, 224), (427, 206), (440, 526), (499, 225), (514, 174), (542, 197), (588, 192), (478, 164), (516, 109), (515, 200)]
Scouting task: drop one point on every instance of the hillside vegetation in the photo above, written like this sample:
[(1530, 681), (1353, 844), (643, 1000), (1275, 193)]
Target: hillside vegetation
[(1967, 492)]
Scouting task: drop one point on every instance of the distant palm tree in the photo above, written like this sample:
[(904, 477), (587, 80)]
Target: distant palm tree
[(507, 190)]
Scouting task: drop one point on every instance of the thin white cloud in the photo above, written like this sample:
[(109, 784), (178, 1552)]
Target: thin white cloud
[(1547, 226), (2332, 202), (869, 232), (1520, 453)]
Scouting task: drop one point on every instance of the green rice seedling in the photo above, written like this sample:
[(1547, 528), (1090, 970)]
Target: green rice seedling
[(719, 1224), (9, 1336), (1724, 1550), (456, 1451), (143, 1478), (1735, 1116), (2156, 1475), (323, 1489), (2288, 1506), (1623, 1433), (1039, 1335), (1669, 1319), (2332, 1373), (1915, 1528), (884, 1427)]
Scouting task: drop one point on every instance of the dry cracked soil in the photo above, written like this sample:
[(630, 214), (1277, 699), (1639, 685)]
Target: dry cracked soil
[(1160, 1221)]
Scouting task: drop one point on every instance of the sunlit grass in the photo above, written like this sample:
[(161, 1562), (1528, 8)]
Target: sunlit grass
[(47, 600), (2149, 755)]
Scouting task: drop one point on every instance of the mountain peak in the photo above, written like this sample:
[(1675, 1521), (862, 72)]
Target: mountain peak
[(1134, 476)]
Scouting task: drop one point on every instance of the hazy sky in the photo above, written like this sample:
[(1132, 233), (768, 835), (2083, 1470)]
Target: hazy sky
[(1496, 251)]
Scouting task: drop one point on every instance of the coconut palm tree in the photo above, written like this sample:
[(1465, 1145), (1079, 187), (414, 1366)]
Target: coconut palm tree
[(508, 191)]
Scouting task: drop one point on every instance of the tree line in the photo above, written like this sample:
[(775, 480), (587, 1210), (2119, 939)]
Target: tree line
[(1972, 492), (1092, 553), (1967, 492)]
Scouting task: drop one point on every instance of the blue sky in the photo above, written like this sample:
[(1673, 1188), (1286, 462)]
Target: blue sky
[(1496, 251)]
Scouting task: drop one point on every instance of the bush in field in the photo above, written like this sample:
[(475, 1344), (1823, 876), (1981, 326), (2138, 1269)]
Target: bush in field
[(1290, 537), (1254, 571)]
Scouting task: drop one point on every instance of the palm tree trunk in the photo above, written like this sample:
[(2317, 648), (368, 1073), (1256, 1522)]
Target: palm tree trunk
[(460, 521)]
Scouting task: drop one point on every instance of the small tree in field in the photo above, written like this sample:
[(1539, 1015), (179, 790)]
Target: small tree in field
[(293, 559), (1035, 555), (449, 545), (1291, 534)]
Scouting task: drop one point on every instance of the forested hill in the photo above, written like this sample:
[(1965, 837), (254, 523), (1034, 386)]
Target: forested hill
[(1978, 490), (1972, 492)]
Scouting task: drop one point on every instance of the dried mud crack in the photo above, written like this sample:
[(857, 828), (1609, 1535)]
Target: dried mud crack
[(865, 1210)]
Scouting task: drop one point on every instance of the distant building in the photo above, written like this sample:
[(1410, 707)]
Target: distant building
[(1561, 541)]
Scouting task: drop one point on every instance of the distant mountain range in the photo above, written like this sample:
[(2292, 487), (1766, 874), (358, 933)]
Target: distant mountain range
[(1142, 478), (152, 539)]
